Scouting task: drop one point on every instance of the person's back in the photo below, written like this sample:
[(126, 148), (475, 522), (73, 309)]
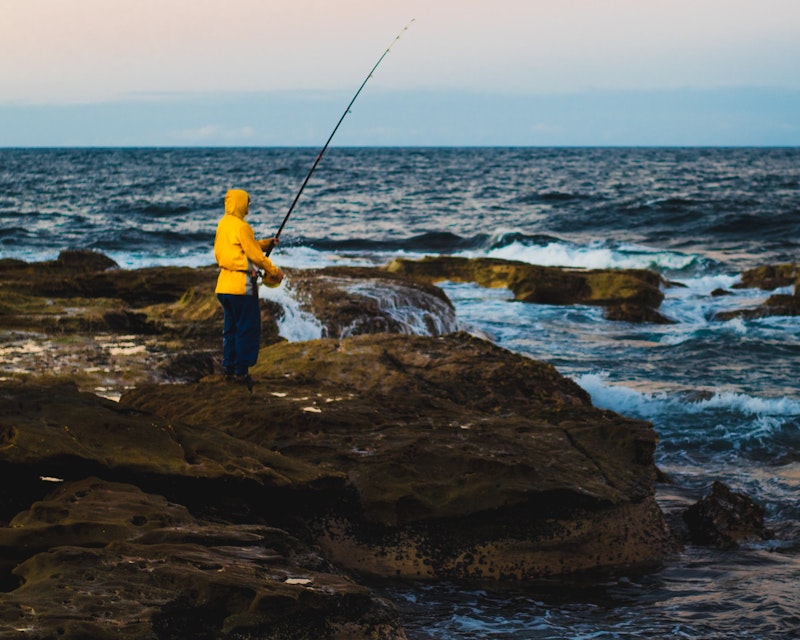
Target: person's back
[(240, 257)]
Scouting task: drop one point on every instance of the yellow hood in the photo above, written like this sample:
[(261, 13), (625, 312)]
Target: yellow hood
[(237, 250), (237, 203)]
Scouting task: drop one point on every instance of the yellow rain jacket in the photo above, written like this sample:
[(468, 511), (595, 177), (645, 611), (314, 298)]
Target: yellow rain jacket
[(237, 251)]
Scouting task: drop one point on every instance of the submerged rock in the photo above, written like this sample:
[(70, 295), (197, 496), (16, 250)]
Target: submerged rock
[(775, 305), (768, 278), (350, 301), (724, 518), (463, 460), (632, 294)]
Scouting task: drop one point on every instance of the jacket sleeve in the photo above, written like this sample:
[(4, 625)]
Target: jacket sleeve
[(266, 244), (252, 250)]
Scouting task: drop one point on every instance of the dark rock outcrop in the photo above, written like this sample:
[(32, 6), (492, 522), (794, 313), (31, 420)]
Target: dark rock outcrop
[(768, 278), (463, 459), (350, 301), (632, 294), (172, 311), (106, 560), (85, 291), (201, 510), (88, 274), (69, 262), (59, 431), (176, 320), (724, 518)]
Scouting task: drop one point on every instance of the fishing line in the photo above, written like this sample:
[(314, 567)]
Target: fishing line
[(333, 133)]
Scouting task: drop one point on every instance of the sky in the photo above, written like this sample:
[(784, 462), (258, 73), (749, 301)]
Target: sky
[(463, 72)]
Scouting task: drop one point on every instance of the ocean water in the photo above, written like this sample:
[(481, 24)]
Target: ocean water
[(724, 397)]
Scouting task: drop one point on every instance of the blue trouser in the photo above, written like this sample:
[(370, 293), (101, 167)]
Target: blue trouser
[(241, 332)]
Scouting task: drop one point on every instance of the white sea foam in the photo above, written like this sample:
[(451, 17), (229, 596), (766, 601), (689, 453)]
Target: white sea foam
[(296, 325), (304, 258), (591, 256), (418, 313), (704, 285), (629, 401), (746, 404), (620, 398), (142, 260), (693, 306)]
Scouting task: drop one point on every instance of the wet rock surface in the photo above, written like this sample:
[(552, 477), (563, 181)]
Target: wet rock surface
[(631, 295), (725, 518), (769, 278), (56, 430), (463, 460), (197, 509), (352, 301), (81, 318), (106, 560)]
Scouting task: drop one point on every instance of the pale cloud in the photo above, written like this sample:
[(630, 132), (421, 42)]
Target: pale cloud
[(546, 128), (212, 133)]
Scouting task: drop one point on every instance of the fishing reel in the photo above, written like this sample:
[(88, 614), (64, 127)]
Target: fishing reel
[(268, 281)]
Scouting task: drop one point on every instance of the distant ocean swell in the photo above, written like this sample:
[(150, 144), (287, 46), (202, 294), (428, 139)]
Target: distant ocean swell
[(512, 245)]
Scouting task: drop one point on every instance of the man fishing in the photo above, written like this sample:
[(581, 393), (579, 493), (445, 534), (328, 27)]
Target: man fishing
[(240, 257)]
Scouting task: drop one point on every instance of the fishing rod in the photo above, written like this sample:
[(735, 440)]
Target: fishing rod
[(333, 133)]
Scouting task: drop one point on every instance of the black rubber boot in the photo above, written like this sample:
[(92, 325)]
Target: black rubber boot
[(245, 379)]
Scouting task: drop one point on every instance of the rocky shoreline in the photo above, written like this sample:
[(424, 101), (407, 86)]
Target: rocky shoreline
[(144, 497)]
